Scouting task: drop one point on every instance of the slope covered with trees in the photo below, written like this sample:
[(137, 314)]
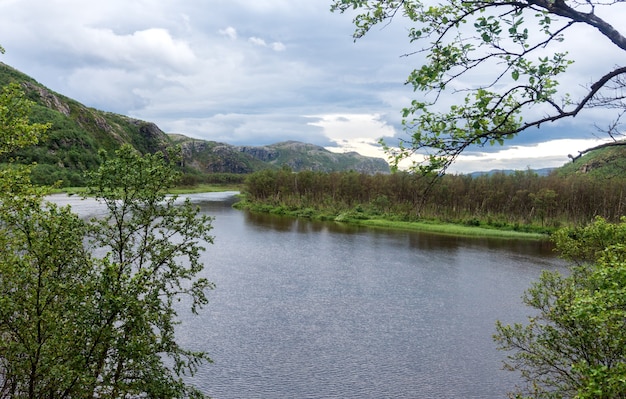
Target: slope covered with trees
[(604, 162)]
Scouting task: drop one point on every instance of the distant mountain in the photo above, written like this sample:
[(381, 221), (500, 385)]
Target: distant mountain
[(540, 172), (79, 132), (212, 157), (301, 156)]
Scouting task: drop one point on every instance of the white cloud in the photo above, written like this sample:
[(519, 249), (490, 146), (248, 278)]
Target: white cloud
[(257, 41), (276, 46), (354, 132), (229, 32), (548, 154), (248, 129), (154, 47), (339, 127)]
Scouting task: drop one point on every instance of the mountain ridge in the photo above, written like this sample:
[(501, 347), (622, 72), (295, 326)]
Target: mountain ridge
[(78, 132)]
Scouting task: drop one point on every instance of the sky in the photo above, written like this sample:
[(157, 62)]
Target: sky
[(257, 72)]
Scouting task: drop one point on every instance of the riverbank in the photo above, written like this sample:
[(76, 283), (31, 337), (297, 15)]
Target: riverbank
[(382, 222)]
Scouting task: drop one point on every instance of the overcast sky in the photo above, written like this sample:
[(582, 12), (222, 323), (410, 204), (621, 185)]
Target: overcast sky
[(254, 72)]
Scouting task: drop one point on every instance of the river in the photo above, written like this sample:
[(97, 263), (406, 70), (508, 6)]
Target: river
[(324, 310)]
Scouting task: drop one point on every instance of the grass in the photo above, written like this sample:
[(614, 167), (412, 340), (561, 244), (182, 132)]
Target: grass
[(449, 229), (430, 227)]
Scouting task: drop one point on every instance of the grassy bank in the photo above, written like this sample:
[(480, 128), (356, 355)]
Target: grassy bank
[(358, 218), (451, 229), (391, 222)]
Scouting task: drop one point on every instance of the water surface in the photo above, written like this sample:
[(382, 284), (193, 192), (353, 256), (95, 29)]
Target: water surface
[(324, 310)]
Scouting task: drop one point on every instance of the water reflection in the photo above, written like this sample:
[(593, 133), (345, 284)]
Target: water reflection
[(416, 240)]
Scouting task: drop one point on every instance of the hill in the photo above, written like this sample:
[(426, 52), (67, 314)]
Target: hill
[(604, 161), (78, 132)]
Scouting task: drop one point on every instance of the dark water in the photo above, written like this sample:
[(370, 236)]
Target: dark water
[(324, 310)]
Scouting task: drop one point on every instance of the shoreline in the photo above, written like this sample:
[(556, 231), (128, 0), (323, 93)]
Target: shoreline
[(451, 229), (432, 227)]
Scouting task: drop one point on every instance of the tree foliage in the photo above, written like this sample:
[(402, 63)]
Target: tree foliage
[(153, 246), (16, 131), (575, 344), (87, 306), (505, 56)]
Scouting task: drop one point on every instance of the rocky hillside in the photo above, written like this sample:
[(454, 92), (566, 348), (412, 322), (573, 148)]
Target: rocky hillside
[(210, 156), (79, 132), (302, 156), (213, 157)]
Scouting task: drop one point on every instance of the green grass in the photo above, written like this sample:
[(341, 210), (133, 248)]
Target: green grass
[(603, 163), (430, 227), (448, 229)]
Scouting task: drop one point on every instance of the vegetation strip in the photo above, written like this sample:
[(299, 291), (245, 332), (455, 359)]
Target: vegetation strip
[(452, 229), (434, 227)]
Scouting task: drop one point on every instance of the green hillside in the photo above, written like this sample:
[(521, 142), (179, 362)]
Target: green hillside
[(77, 133), (603, 162)]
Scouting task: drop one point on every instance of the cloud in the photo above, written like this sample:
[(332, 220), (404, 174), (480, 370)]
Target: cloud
[(250, 129), (153, 47), (354, 132), (276, 46), (229, 32), (339, 127), (257, 41)]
